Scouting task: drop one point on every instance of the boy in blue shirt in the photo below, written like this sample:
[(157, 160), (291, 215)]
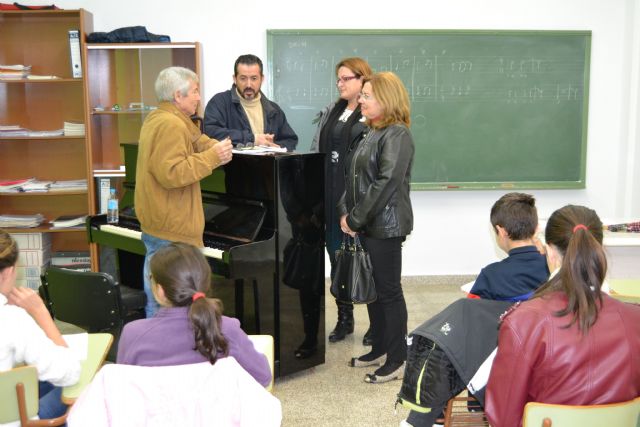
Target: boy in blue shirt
[(514, 219)]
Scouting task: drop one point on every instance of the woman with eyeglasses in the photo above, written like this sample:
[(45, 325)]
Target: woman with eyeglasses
[(339, 125), (376, 206), (571, 344), (189, 327)]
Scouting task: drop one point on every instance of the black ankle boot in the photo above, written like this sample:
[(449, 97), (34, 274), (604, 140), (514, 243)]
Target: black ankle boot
[(344, 326)]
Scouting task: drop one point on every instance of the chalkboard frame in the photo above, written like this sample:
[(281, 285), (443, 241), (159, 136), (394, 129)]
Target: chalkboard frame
[(276, 35)]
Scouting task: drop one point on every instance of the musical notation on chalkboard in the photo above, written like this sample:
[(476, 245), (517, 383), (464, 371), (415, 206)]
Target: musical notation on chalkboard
[(489, 108)]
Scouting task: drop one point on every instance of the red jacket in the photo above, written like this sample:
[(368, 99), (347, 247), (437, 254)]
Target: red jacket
[(539, 361)]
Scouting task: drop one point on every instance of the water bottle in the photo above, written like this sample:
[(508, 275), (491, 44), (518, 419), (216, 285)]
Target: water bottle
[(112, 208)]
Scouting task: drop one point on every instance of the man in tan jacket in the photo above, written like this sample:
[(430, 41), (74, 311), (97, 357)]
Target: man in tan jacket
[(173, 156)]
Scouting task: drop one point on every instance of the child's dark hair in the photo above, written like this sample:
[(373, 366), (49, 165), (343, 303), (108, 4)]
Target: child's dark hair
[(183, 272), (8, 251), (517, 214), (576, 231)]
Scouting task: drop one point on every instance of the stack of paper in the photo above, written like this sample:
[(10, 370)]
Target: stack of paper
[(70, 185), (14, 186), (12, 72), (36, 186), (9, 131), (21, 221), (45, 133), (73, 129), (66, 221)]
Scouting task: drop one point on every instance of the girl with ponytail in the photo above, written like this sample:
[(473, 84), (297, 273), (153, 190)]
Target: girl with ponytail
[(189, 327), (571, 344)]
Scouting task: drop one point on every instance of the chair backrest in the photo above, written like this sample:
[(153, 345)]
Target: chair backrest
[(86, 299), (624, 414), (264, 344), (626, 290), (28, 376)]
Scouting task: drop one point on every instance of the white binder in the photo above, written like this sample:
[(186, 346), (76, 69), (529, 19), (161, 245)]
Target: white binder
[(74, 51)]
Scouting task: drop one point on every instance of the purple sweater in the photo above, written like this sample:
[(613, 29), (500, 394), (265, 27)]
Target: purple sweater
[(168, 339)]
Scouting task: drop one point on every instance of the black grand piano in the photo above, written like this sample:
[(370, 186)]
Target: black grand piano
[(256, 208)]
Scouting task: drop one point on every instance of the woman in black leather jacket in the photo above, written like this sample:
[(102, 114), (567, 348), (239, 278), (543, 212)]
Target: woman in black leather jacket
[(376, 205)]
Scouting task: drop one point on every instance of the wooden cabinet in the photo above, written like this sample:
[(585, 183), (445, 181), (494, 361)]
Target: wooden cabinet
[(41, 39), (121, 92)]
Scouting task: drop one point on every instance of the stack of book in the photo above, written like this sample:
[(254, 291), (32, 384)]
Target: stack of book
[(21, 221), (73, 129), (69, 185), (13, 185), (80, 260), (33, 258), (11, 131), (69, 221), (13, 72)]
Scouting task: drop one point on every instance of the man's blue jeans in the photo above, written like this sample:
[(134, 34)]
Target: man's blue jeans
[(152, 244)]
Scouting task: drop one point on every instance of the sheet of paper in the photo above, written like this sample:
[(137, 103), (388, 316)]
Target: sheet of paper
[(79, 344)]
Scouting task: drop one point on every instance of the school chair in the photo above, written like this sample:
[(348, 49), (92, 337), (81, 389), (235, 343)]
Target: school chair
[(264, 345), (19, 398), (626, 290), (93, 301), (464, 410), (623, 414)]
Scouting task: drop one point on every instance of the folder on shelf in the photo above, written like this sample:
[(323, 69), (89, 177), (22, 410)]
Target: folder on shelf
[(74, 51)]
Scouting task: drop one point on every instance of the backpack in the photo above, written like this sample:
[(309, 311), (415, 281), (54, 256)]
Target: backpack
[(430, 378)]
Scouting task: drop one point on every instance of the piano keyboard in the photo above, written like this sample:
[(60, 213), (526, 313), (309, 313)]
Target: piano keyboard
[(137, 235)]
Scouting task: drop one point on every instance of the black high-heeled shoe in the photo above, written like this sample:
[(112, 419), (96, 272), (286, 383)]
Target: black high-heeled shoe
[(381, 375)]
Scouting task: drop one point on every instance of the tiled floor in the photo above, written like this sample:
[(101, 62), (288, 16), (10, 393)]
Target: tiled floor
[(334, 394)]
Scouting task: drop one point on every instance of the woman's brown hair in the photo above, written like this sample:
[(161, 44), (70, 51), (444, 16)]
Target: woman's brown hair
[(358, 66), (390, 92), (182, 272), (8, 251), (576, 231)]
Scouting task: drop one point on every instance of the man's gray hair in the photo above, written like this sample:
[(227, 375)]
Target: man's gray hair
[(174, 79)]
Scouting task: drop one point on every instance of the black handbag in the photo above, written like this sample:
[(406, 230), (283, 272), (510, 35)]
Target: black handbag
[(352, 278)]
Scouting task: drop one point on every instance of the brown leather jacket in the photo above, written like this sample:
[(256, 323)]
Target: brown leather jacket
[(540, 361)]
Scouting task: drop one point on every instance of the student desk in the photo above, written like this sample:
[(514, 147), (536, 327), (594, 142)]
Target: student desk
[(623, 253), (98, 346)]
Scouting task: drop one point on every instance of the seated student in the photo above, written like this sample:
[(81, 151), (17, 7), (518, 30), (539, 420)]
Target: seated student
[(571, 344), (514, 219), (515, 278), (188, 328), (29, 336)]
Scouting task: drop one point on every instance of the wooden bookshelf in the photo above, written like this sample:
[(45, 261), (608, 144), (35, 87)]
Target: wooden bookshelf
[(41, 39)]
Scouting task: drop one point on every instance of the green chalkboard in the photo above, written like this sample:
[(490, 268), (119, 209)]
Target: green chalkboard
[(490, 109)]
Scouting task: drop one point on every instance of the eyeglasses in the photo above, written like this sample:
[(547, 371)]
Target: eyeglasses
[(365, 96), (346, 79)]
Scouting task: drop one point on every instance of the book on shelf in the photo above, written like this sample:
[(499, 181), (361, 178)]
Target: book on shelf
[(12, 185), (73, 128), (21, 221), (12, 131), (13, 72), (74, 260), (66, 221), (69, 185)]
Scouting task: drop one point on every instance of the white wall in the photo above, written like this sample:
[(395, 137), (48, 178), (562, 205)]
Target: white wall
[(451, 234)]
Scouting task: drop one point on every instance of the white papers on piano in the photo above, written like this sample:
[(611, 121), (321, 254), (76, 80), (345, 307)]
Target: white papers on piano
[(21, 221), (259, 150)]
